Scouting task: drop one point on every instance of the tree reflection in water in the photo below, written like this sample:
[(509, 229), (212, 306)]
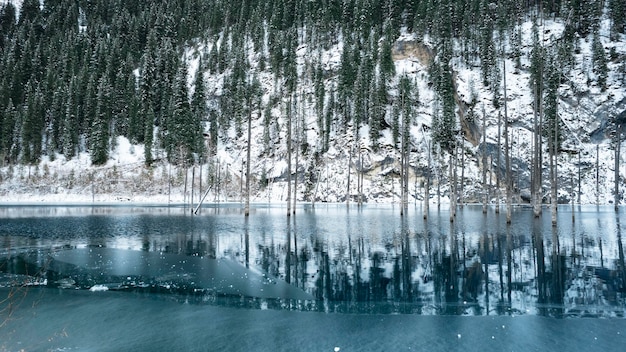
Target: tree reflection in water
[(438, 268), (370, 260)]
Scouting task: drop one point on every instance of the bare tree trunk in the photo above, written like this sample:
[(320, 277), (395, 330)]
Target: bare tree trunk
[(507, 157), (555, 170), (358, 179), (427, 186), (289, 156), (403, 172), (405, 176), (288, 254), (193, 178), (536, 182), (439, 177), (598, 174), (553, 190), (349, 166), (185, 188), (217, 180), (571, 182), (498, 165), (452, 187), (361, 177), (247, 207), (485, 191), (579, 173), (618, 136), (200, 178), (462, 190), (295, 171)]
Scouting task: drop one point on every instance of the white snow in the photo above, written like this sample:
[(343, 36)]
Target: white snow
[(125, 178), (98, 288)]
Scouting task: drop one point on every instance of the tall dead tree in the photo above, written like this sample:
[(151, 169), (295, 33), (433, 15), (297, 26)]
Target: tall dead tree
[(498, 165), (298, 141), (427, 184), (536, 169), (349, 166), (507, 156), (597, 174), (452, 181), (618, 137), (462, 184), (247, 206), (484, 145), (554, 171), (289, 155)]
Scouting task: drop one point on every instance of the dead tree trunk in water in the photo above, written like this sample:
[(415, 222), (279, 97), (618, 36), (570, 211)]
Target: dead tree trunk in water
[(247, 207), (452, 191), (507, 156), (618, 135), (427, 185), (498, 166), (289, 156), (554, 170), (462, 190), (360, 176), (349, 166), (536, 180), (485, 190), (295, 169), (598, 174)]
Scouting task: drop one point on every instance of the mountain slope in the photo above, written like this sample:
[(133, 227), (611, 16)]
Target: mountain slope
[(340, 84)]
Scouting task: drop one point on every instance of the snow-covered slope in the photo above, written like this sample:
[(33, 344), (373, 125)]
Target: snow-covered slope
[(328, 176)]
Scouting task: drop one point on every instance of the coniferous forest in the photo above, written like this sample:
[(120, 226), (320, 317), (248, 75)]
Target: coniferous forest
[(75, 74)]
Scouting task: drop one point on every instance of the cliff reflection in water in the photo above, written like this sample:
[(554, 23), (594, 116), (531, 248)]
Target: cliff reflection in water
[(363, 262)]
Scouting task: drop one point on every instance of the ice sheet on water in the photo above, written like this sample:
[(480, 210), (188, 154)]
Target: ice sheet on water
[(110, 267), (73, 320)]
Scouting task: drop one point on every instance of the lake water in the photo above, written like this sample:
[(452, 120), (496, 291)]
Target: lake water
[(358, 278)]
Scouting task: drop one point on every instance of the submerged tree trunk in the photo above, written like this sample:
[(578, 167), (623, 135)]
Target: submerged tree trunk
[(485, 190), (452, 189), (498, 164), (598, 174), (193, 178), (289, 157), (507, 157), (579, 174), (554, 166), (618, 136), (349, 166), (427, 186), (358, 179), (462, 190), (536, 180), (247, 207), (295, 169)]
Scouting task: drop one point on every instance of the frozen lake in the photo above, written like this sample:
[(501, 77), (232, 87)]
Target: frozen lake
[(158, 278)]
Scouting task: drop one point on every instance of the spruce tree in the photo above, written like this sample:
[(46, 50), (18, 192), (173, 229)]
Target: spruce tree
[(198, 109), (7, 128), (600, 61), (378, 100), (29, 11), (148, 139), (617, 12), (69, 134), (32, 125), (552, 124), (100, 134)]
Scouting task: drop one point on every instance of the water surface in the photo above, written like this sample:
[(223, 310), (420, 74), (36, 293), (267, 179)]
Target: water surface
[(352, 265)]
